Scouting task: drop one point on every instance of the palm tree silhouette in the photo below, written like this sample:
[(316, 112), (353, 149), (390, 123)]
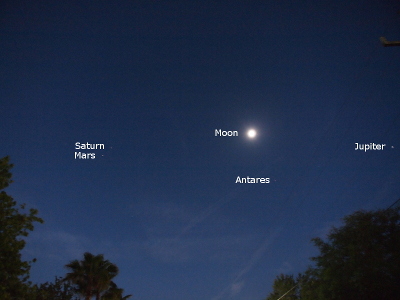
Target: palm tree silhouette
[(92, 276), (114, 293)]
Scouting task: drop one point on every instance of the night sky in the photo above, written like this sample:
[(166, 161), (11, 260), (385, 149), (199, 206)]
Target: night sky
[(152, 81)]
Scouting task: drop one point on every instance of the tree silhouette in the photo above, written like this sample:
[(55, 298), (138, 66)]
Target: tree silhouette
[(14, 225), (114, 293), (57, 290), (284, 285), (92, 276), (361, 260)]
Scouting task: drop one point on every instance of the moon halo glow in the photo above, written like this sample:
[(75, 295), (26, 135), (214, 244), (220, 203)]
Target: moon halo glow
[(251, 133)]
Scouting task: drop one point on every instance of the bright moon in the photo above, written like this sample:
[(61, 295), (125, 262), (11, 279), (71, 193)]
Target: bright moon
[(251, 133)]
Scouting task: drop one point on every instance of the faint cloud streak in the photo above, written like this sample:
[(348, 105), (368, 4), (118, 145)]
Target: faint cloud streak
[(248, 266)]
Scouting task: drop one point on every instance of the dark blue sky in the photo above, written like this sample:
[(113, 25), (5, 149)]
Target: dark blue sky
[(152, 80)]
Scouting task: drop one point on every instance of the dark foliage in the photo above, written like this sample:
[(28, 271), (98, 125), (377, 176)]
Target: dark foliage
[(14, 226), (360, 260)]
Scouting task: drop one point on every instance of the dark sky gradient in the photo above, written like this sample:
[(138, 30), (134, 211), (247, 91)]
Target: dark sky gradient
[(152, 80)]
